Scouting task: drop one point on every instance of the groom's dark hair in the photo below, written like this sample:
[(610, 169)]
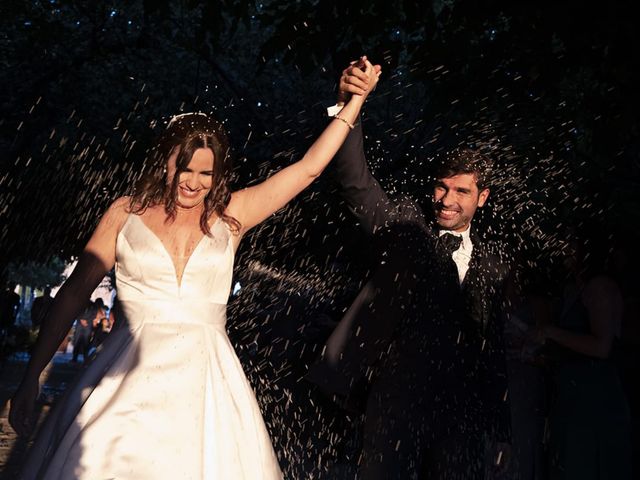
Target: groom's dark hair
[(465, 160)]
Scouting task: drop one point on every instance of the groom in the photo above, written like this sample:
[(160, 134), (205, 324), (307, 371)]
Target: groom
[(425, 332)]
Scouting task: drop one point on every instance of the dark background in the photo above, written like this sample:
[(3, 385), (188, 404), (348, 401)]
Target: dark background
[(548, 89)]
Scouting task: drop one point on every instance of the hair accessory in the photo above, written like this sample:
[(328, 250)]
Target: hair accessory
[(180, 115)]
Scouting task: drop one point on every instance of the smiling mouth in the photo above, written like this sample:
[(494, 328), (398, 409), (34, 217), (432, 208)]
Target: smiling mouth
[(189, 193), (446, 214)]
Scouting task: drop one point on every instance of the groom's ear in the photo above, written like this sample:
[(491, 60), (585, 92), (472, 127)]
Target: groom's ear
[(482, 196)]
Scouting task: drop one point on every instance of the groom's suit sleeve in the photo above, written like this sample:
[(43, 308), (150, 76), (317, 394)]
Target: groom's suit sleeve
[(362, 192)]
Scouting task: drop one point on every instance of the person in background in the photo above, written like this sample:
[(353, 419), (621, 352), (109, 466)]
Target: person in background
[(590, 426), (40, 307), (9, 306), (82, 335)]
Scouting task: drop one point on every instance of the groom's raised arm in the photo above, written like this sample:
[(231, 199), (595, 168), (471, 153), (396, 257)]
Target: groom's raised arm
[(366, 198), (364, 195)]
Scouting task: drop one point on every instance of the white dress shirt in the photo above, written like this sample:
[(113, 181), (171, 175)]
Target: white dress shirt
[(462, 255)]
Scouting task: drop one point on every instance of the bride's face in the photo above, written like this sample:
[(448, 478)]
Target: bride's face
[(195, 183)]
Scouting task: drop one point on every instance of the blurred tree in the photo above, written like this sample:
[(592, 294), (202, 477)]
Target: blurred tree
[(37, 275)]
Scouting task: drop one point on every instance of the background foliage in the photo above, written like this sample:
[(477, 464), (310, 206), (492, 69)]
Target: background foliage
[(547, 87)]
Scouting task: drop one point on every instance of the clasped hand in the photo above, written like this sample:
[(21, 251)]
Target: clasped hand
[(359, 78)]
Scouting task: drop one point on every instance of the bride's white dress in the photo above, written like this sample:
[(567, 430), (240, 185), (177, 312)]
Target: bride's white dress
[(166, 398)]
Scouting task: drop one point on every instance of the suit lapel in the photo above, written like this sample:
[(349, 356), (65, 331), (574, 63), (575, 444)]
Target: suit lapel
[(475, 264), (474, 291)]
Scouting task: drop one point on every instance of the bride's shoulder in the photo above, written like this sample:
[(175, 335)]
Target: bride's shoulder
[(120, 207), (121, 203), (117, 213)]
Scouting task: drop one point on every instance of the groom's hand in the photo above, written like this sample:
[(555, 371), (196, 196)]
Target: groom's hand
[(355, 81)]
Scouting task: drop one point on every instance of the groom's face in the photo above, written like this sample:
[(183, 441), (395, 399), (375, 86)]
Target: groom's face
[(455, 200)]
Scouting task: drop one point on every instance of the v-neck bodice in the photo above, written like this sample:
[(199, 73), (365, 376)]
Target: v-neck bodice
[(145, 270), (175, 267)]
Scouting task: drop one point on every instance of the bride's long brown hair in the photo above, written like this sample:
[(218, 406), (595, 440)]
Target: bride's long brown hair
[(187, 133)]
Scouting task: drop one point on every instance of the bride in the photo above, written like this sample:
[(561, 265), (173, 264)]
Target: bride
[(166, 398)]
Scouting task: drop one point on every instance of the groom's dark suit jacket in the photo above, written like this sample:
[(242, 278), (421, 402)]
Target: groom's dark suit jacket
[(413, 325)]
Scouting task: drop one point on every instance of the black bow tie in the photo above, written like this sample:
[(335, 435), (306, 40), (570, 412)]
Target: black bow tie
[(449, 242)]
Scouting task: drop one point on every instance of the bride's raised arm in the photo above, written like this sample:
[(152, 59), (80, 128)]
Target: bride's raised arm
[(252, 205)]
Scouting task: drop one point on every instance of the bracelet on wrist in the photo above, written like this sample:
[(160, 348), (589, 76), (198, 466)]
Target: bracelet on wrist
[(346, 122)]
